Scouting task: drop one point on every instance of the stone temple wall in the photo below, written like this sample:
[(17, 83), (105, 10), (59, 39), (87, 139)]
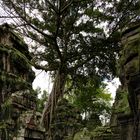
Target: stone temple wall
[(127, 104), (18, 117)]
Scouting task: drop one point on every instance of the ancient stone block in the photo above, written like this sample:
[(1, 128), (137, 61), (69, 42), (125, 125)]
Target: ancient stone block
[(18, 118)]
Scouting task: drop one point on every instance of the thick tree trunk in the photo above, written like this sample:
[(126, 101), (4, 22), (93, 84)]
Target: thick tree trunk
[(56, 94)]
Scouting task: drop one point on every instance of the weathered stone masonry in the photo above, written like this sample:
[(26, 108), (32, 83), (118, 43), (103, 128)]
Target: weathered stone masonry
[(127, 104), (18, 117)]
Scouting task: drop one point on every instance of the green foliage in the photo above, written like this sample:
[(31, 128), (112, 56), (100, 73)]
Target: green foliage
[(93, 101), (17, 57), (83, 135), (121, 102), (12, 80), (102, 131), (6, 110), (41, 100), (3, 131), (98, 133), (66, 121), (19, 66), (6, 113)]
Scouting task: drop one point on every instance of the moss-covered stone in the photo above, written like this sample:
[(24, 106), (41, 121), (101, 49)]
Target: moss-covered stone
[(18, 117), (120, 105), (100, 133), (121, 100), (11, 38), (125, 108)]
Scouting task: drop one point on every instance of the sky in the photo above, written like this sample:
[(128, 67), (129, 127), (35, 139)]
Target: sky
[(112, 86), (42, 80)]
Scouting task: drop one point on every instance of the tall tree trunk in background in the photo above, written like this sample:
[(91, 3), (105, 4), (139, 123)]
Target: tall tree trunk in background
[(55, 95)]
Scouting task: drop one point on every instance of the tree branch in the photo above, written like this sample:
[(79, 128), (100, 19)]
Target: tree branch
[(81, 64), (43, 67), (9, 17), (66, 6), (121, 18), (29, 23), (52, 6)]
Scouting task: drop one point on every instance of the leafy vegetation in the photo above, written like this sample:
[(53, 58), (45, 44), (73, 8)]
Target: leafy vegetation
[(66, 121), (99, 132), (77, 111), (42, 98), (90, 96)]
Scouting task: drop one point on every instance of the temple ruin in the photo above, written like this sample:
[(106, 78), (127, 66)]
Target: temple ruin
[(19, 119), (126, 113)]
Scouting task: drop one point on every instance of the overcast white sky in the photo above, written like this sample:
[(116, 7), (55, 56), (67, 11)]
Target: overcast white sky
[(112, 86), (42, 80)]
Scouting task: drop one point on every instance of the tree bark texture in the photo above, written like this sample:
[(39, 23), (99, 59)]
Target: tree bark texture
[(55, 95)]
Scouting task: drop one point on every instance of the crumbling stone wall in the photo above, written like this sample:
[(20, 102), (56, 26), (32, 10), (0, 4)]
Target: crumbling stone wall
[(15, 70), (129, 72), (18, 117)]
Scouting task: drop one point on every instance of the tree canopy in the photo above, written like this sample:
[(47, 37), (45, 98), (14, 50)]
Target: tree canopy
[(69, 32)]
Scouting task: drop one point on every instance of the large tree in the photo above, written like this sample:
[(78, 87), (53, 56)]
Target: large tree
[(69, 38)]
